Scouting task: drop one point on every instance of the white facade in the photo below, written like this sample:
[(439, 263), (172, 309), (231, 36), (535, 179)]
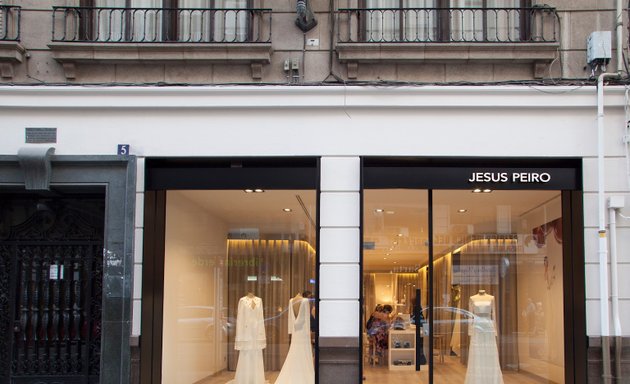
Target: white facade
[(341, 124)]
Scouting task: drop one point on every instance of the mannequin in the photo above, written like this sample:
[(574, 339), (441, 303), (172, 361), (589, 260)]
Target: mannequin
[(298, 366), (483, 355), (250, 341)]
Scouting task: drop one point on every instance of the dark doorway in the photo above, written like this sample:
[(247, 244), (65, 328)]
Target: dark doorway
[(51, 277)]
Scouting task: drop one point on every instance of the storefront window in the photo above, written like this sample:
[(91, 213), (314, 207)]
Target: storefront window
[(481, 303), (239, 277), (497, 286)]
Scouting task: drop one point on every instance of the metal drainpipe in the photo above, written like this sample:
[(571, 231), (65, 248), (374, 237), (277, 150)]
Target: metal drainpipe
[(603, 246), (612, 220)]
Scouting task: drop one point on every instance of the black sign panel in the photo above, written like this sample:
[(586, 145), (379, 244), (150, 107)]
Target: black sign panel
[(431, 177)]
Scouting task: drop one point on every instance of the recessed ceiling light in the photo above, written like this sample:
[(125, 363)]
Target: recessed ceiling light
[(390, 212), (258, 190), (378, 210), (462, 210), (395, 243), (400, 235), (287, 209), (487, 190), (249, 191), (477, 190), (384, 258)]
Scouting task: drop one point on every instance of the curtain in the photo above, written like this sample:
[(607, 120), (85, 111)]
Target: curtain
[(195, 20), (490, 264), (382, 25), (406, 291), (274, 270), (496, 23), (503, 24), (466, 21), (121, 24), (420, 24), (231, 24)]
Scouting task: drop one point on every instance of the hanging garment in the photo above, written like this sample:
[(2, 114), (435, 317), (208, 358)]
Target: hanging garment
[(483, 355), (250, 341), (298, 366)]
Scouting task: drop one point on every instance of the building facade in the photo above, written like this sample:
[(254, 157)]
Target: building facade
[(446, 182)]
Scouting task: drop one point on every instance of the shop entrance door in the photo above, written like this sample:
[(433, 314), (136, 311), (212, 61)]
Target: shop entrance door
[(51, 269), (464, 286)]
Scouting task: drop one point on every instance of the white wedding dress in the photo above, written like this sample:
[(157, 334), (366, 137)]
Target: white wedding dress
[(250, 341), (483, 355), (298, 366)]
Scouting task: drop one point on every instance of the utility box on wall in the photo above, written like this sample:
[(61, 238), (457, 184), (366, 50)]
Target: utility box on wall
[(598, 48)]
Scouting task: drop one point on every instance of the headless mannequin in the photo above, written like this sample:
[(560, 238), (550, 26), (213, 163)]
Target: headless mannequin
[(295, 302)]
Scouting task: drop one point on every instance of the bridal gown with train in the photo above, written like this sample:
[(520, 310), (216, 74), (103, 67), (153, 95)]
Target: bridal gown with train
[(483, 355), (298, 366)]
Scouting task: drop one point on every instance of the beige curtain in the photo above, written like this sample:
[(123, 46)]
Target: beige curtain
[(490, 264), (406, 292), (274, 270)]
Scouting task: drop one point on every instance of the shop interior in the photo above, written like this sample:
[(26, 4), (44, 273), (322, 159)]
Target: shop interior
[(506, 245), (220, 247)]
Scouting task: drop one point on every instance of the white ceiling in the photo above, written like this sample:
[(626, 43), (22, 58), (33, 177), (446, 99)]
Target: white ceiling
[(400, 230)]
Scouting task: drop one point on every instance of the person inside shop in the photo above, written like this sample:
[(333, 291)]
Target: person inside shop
[(313, 323), (379, 330)]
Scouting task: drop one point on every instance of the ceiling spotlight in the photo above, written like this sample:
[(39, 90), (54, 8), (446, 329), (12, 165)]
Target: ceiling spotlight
[(487, 190), (477, 190), (258, 190), (287, 209), (462, 210), (249, 191), (400, 235), (379, 210)]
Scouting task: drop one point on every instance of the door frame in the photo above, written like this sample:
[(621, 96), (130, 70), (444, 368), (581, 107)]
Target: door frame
[(452, 173)]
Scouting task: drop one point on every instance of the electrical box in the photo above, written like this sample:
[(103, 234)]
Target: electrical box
[(598, 47)]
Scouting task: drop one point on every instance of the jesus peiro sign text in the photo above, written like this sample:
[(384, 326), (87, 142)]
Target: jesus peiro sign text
[(509, 177)]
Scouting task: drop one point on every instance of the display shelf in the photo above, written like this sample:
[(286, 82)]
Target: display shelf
[(402, 349)]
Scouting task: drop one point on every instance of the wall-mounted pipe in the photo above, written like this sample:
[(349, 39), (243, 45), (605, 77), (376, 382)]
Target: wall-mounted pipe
[(602, 243), (615, 203)]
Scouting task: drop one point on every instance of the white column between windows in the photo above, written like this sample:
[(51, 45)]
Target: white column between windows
[(339, 247)]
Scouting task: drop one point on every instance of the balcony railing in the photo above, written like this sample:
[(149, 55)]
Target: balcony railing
[(157, 25), (448, 25), (9, 23)]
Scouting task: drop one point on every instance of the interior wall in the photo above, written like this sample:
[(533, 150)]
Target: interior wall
[(540, 295), (384, 288), (195, 292)]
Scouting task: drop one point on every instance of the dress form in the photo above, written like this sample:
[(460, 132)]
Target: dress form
[(298, 365), (483, 356), (250, 340)]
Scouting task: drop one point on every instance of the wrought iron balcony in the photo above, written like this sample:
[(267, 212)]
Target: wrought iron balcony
[(448, 25), (161, 25), (9, 23)]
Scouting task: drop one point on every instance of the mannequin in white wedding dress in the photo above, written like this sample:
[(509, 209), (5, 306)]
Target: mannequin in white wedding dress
[(483, 355), (298, 366), (250, 341)]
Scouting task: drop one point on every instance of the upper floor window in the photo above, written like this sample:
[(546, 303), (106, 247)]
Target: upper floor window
[(146, 21), (469, 21)]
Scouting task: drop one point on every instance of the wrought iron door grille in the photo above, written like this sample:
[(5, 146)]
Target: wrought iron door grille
[(50, 290)]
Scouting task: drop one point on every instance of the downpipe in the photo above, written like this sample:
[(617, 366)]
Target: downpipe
[(612, 223), (602, 243)]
